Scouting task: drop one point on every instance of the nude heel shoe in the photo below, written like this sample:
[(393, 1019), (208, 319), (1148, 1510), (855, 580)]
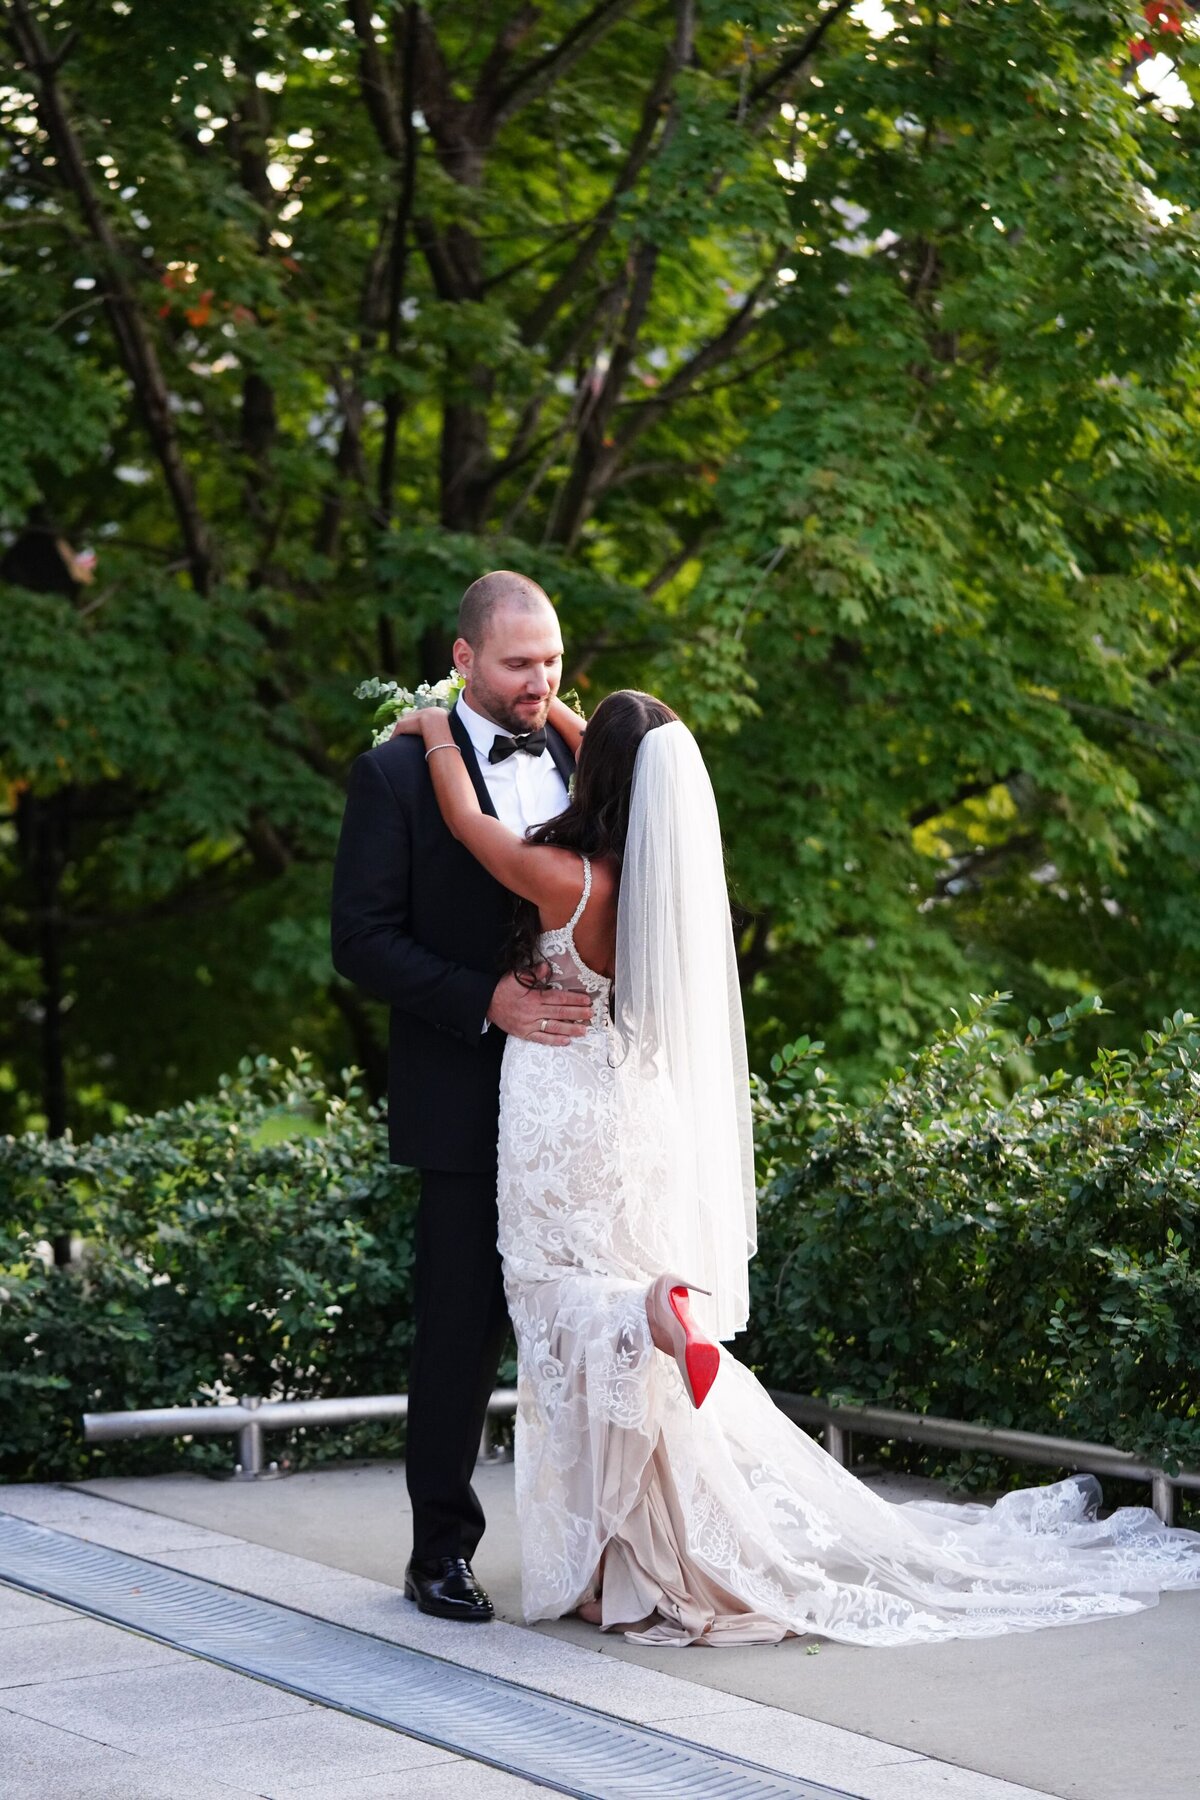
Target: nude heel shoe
[(697, 1357)]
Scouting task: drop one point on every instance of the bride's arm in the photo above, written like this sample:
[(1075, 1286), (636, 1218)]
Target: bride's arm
[(538, 872), (568, 724)]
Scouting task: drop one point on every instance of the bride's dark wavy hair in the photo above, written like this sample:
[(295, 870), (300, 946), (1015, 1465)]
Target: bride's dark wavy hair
[(596, 822)]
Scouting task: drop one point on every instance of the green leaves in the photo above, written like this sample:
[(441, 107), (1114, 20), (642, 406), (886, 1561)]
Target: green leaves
[(254, 1241), (974, 1242), (850, 403)]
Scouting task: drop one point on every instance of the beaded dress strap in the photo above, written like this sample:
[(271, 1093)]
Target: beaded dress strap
[(575, 917)]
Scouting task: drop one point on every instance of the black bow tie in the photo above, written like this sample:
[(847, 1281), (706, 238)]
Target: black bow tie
[(531, 742)]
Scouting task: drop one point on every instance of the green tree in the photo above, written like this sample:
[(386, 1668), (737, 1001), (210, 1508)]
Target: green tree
[(831, 366)]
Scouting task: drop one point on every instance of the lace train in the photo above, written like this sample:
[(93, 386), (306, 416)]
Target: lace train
[(730, 1523)]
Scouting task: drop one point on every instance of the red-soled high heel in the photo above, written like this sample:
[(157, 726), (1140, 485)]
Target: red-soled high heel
[(698, 1358)]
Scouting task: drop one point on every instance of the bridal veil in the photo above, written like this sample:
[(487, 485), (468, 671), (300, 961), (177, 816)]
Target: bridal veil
[(682, 1077)]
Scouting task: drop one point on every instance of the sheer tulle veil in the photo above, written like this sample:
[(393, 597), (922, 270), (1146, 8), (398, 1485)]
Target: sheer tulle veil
[(682, 1077)]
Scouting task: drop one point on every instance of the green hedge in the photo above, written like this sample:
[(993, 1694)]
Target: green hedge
[(254, 1242), (1017, 1252), (971, 1242)]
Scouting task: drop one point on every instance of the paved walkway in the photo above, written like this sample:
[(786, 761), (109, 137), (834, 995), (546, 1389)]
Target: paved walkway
[(1105, 1711)]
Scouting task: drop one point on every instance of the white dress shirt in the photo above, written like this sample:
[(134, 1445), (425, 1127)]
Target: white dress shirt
[(525, 790)]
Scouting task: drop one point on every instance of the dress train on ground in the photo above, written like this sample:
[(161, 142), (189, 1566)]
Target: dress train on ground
[(729, 1523)]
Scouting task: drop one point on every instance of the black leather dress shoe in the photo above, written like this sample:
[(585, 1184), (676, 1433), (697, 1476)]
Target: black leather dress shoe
[(447, 1588)]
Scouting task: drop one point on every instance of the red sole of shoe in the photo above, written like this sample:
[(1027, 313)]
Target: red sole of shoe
[(703, 1358), (703, 1361)]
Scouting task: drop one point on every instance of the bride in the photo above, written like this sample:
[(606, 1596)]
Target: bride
[(659, 1490)]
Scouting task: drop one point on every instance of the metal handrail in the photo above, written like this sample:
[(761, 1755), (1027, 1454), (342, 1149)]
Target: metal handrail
[(251, 1416), (838, 1422)]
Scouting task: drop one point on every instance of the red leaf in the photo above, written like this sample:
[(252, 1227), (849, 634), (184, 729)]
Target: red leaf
[(201, 312)]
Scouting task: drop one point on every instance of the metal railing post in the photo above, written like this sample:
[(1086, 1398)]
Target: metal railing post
[(249, 1465), (489, 1450), (1162, 1497)]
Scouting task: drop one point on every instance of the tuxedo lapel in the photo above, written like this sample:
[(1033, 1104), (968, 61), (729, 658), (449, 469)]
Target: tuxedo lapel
[(462, 738), (564, 762)]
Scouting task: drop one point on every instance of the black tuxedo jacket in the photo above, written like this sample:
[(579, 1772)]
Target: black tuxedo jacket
[(416, 921)]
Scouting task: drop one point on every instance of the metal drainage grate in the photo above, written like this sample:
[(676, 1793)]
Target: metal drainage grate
[(572, 1748)]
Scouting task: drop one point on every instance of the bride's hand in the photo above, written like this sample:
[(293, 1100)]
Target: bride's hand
[(409, 726)]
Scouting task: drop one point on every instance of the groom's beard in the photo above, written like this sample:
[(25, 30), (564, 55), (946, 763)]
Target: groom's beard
[(510, 715)]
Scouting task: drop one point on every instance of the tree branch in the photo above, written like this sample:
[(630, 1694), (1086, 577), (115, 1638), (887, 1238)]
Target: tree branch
[(374, 81), (398, 265), (970, 790), (668, 570), (507, 41), (715, 387), (134, 341), (790, 64), (717, 350), (348, 459), (248, 137), (548, 68), (561, 290), (596, 455), (968, 869), (1178, 657)]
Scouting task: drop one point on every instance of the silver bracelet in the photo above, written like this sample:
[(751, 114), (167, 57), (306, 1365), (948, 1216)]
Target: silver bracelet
[(434, 747)]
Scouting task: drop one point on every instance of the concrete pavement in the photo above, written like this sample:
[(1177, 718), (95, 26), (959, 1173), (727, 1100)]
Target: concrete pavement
[(1102, 1711)]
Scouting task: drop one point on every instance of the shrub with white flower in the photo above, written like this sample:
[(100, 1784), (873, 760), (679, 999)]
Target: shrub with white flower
[(396, 702)]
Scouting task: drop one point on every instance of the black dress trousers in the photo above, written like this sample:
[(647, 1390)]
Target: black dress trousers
[(461, 1325)]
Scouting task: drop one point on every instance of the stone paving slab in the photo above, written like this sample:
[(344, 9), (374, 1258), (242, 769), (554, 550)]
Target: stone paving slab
[(314, 1748), (18, 1608), (41, 1762), (866, 1767), (78, 1722), (131, 1528), (67, 1649), (1107, 1710), (256, 1739), (154, 1709)]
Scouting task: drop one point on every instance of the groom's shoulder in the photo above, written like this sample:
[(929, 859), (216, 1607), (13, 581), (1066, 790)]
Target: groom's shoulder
[(399, 761)]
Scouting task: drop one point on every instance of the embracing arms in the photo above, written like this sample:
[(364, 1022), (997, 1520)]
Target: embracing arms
[(547, 876), (374, 947)]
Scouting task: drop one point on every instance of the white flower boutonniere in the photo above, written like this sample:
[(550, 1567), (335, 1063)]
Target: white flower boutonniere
[(396, 702)]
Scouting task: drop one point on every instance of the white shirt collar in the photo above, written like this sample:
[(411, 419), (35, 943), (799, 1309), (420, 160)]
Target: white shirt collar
[(482, 733)]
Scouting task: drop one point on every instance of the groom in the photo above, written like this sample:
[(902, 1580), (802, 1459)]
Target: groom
[(419, 923)]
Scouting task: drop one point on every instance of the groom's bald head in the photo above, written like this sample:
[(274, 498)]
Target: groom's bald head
[(501, 589), (509, 649)]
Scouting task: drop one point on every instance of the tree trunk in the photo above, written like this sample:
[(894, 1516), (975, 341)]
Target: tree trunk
[(42, 835)]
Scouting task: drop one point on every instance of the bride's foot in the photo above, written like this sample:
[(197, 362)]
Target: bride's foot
[(592, 1613), (673, 1330)]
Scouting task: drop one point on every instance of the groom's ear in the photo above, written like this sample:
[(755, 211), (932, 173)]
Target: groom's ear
[(463, 656)]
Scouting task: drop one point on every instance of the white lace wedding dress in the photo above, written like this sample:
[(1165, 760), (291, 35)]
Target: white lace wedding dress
[(728, 1522)]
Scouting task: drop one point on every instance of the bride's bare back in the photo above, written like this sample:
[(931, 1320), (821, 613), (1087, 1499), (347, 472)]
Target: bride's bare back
[(596, 930)]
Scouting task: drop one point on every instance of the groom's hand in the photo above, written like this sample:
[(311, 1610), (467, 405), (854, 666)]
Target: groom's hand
[(541, 1015)]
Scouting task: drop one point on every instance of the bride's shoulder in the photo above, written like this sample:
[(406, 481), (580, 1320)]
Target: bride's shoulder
[(606, 877)]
